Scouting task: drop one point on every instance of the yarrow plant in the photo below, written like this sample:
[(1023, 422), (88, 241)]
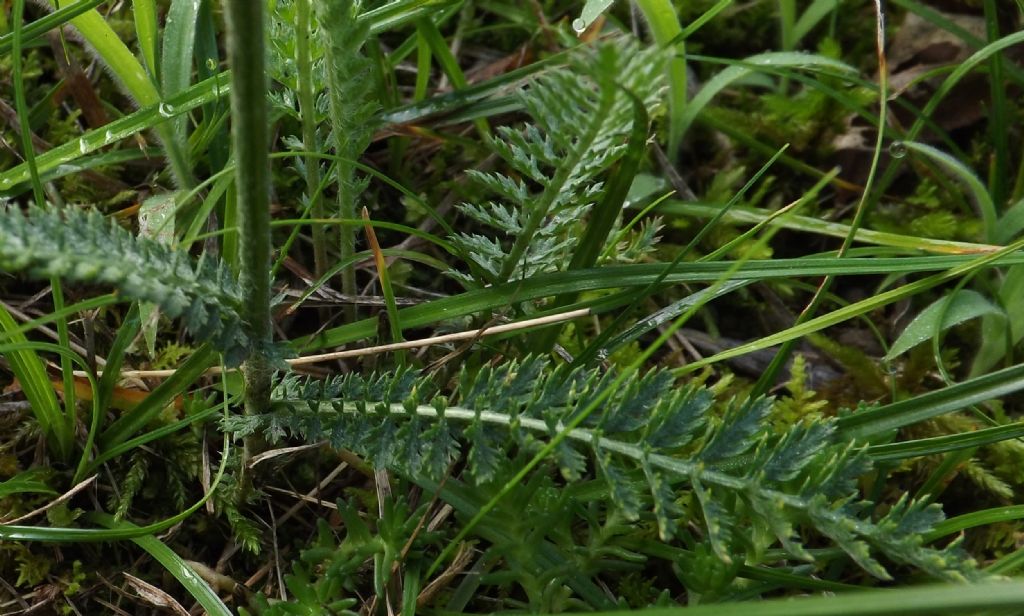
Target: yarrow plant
[(496, 477)]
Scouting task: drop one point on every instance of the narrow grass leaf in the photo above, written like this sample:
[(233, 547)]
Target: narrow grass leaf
[(667, 32), (179, 38), (145, 118), (941, 444), (623, 276), (115, 357), (48, 22), (1007, 597), (751, 66), (982, 198), (995, 515), (135, 420), (174, 564), (30, 371), (146, 33), (865, 424), (811, 17)]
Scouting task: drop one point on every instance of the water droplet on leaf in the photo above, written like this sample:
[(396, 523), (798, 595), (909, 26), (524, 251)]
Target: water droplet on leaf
[(897, 149), (579, 25), (83, 146), (166, 110)]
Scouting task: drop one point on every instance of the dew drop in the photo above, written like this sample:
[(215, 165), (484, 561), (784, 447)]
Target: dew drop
[(211, 64), (166, 110), (108, 136), (5, 182), (897, 149), (579, 25), (83, 146)]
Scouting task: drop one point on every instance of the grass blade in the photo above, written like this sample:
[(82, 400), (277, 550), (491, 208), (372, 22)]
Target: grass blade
[(135, 420), (195, 585), (28, 368), (179, 42), (925, 600), (974, 391)]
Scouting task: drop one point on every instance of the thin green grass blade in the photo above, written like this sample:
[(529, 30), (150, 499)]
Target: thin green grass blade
[(11, 335), (982, 198), (607, 211), (1006, 597), (48, 22), (667, 32), (1007, 564), (447, 104), (429, 33), (115, 357), (179, 38), (811, 17), (66, 368), (69, 422), (116, 55), (390, 305), (855, 309), (999, 118), (750, 66), (974, 519), (153, 435), (136, 419), (808, 224), (75, 535), (396, 14), (30, 371), (146, 33), (991, 386), (93, 161), (424, 58), (479, 301), (143, 119), (704, 18), (961, 71), (592, 9), (18, 82), (607, 342), (195, 585), (941, 444)]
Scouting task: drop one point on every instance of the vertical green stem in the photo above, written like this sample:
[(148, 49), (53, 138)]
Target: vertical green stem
[(665, 28), (350, 85), (307, 107), (999, 122), (251, 139), (767, 378), (67, 429)]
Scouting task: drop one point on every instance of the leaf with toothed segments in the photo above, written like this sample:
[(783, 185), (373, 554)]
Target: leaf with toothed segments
[(801, 486)]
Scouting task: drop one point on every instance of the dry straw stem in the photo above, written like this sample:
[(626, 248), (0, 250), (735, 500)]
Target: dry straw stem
[(387, 348)]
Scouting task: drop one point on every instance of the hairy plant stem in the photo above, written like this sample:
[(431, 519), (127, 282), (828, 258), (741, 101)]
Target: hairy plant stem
[(251, 137), (349, 88), (307, 108)]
